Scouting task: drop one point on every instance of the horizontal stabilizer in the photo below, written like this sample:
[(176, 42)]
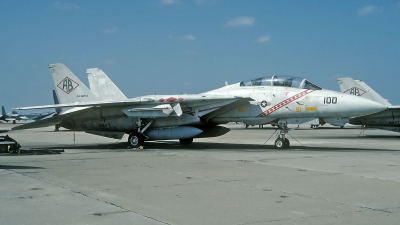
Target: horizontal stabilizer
[(47, 122)]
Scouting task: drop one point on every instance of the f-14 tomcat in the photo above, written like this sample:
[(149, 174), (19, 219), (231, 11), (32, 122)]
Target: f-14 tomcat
[(388, 119), (278, 100)]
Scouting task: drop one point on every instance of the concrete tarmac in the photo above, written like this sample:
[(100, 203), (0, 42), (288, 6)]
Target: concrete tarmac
[(328, 176)]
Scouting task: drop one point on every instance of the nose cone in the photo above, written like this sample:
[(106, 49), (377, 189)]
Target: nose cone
[(358, 106)]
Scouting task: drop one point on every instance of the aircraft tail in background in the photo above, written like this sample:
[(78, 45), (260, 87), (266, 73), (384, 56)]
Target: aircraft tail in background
[(359, 88), (56, 102)]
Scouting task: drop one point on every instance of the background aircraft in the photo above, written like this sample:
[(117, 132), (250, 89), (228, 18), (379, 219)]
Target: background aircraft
[(13, 116), (388, 119), (46, 115), (275, 99)]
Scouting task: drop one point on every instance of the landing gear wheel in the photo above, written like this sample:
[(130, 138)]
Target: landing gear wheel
[(281, 143), (135, 140), (186, 141), (287, 143), (14, 122)]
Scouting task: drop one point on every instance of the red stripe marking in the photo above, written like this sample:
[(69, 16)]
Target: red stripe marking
[(284, 102)]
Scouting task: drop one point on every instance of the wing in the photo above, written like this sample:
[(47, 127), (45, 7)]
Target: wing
[(155, 100), (145, 107)]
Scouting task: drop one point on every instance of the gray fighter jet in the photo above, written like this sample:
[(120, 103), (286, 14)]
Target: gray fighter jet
[(274, 99), (388, 119), (12, 116)]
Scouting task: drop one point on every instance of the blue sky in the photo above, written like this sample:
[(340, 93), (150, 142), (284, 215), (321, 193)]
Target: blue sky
[(192, 46)]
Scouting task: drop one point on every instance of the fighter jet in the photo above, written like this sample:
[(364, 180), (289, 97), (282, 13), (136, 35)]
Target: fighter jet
[(12, 116), (46, 115), (388, 119), (5, 117), (273, 99)]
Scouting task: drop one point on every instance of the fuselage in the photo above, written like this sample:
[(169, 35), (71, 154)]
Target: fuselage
[(272, 103), (268, 104)]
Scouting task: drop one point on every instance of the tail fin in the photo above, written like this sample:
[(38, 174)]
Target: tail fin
[(69, 88), (102, 86), (359, 88), (3, 111), (56, 102)]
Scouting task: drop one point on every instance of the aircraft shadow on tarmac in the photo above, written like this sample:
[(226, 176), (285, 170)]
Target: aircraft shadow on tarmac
[(170, 145), (11, 167)]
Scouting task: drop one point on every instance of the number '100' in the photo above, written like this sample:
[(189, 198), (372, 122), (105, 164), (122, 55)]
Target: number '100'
[(330, 100)]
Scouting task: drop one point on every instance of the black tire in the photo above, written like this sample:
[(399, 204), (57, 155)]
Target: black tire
[(186, 141), (279, 143), (14, 122), (286, 143), (135, 140)]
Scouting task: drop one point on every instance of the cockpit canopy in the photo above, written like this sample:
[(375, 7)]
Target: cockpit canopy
[(283, 81)]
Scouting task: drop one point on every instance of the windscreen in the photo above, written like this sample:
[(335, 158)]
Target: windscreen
[(283, 81)]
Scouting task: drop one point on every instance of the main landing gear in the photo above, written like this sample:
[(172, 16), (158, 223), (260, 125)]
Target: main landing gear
[(282, 142), (136, 138)]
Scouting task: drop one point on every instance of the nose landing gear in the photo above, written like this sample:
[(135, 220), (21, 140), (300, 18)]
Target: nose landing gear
[(282, 142)]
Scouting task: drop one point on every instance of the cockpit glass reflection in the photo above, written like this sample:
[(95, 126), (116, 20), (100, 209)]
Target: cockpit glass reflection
[(283, 81)]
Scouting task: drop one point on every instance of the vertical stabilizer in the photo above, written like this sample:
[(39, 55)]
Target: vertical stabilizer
[(56, 102), (3, 110), (69, 88), (102, 86), (359, 88)]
